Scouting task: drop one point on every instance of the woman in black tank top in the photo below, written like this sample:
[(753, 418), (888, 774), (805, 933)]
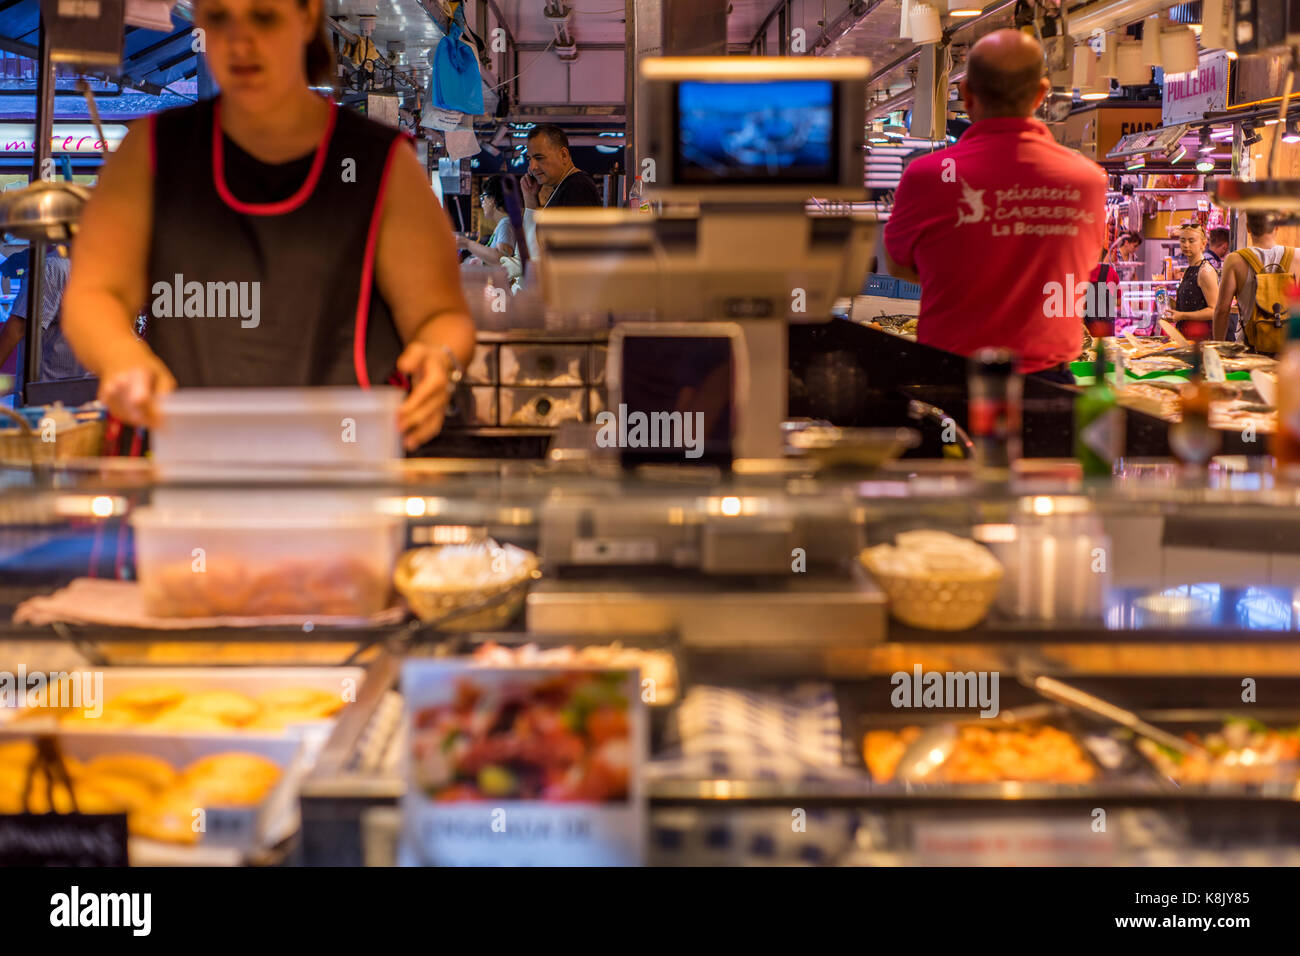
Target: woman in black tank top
[(272, 238), (1199, 290)]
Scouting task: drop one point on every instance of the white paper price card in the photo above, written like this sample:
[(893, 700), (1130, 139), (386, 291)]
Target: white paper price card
[(522, 767)]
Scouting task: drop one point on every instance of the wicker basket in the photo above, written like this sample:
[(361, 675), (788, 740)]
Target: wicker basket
[(469, 608), (24, 445), (951, 601)]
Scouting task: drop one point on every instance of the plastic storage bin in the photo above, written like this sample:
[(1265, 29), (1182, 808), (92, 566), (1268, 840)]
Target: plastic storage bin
[(269, 426), (908, 290), (224, 564), (881, 285)]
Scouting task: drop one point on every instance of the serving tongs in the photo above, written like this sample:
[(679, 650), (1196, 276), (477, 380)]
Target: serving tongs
[(1071, 696)]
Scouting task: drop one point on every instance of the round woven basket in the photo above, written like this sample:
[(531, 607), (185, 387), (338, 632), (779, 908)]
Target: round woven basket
[(474, 608), (24, 445), (952, 601)]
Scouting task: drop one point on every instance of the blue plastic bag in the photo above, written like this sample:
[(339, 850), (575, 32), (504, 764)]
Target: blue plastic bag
[(457, 83)]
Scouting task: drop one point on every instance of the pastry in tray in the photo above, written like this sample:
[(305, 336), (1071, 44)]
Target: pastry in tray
[(165, 708), (1242, 752), (1037, 754), (159, 800)]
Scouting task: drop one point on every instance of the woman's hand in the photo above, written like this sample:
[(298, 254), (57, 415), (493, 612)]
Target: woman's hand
[(131, 386), (421, 415)]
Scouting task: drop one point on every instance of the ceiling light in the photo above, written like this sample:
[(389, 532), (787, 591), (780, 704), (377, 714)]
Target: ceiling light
[(1271, 122), (1292, 134), (1206, 146), (1248, 135), (1205, 164), (1176, 152), (1130, 69), (1135, 162), (964, 8)]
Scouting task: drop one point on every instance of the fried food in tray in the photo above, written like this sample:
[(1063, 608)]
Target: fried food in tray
[(345, 587), (1037, 753), (1243, 752)]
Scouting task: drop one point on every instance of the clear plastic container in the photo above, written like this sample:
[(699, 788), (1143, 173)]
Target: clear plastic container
[(272, 426), (229, 565)]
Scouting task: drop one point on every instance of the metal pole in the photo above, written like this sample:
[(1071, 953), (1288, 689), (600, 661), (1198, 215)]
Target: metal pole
[(36, 272)]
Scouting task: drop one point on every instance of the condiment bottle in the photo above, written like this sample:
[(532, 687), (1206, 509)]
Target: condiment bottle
[(995, 392), (1192, 439), (1098, 419)]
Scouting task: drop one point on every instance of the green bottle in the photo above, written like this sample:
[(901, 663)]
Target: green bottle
[(1098, 421)]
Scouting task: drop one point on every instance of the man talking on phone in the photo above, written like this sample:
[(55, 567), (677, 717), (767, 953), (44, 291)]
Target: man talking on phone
[(551, 171), (551, 164)]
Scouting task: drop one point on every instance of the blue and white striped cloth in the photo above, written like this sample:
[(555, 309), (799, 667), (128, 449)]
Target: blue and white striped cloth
[(724, 734)]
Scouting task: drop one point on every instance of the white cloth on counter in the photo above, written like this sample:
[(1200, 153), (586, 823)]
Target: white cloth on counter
[(744, 735)]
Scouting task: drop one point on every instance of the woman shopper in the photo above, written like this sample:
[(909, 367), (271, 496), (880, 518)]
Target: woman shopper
[(492, 201), (271, 237), (1198, 292)]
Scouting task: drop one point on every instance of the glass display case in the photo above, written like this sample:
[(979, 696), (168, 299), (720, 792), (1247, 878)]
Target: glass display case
[(943, 671)]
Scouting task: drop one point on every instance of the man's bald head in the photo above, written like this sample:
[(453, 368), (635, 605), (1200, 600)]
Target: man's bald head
[(1004, 75)]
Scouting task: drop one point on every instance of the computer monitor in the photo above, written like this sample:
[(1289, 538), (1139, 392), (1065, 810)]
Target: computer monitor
[(753, 128)]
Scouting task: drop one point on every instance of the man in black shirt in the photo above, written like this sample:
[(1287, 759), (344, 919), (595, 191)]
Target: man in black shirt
[(550, 164)]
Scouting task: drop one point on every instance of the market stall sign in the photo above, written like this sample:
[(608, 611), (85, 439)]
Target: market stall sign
[(1152, 141), (522, 766), (63, 839), (1095, 132), (80, 138), (1189, 96)]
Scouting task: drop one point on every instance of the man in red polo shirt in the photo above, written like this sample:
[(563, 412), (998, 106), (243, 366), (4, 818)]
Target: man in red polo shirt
[(1003, 228)]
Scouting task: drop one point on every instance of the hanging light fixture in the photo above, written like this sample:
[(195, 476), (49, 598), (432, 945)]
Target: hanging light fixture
[(1130, 68), (905, 21), (1292, 134), (1109, 63), (1135, 163), (925, 24), (1151, 40), (1175, 152), (1206, 145), (1085, 68), (1178, 50), (1205, 164), (1216, 31), (964, 8)]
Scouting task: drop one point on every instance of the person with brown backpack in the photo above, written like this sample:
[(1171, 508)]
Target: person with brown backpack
[(1260, 278)]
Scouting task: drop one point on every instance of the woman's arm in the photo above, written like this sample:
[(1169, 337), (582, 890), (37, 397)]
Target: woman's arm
[(489, 254), (108, 282), (417, 273)]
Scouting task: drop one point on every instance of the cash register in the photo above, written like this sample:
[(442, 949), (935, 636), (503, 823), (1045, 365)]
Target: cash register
[(732, 148), (702, 294)]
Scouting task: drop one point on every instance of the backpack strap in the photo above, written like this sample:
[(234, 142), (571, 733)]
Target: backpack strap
[(1287, 257), (1252, 260)]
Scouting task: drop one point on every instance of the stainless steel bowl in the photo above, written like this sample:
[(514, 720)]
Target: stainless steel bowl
[(833, 447)]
